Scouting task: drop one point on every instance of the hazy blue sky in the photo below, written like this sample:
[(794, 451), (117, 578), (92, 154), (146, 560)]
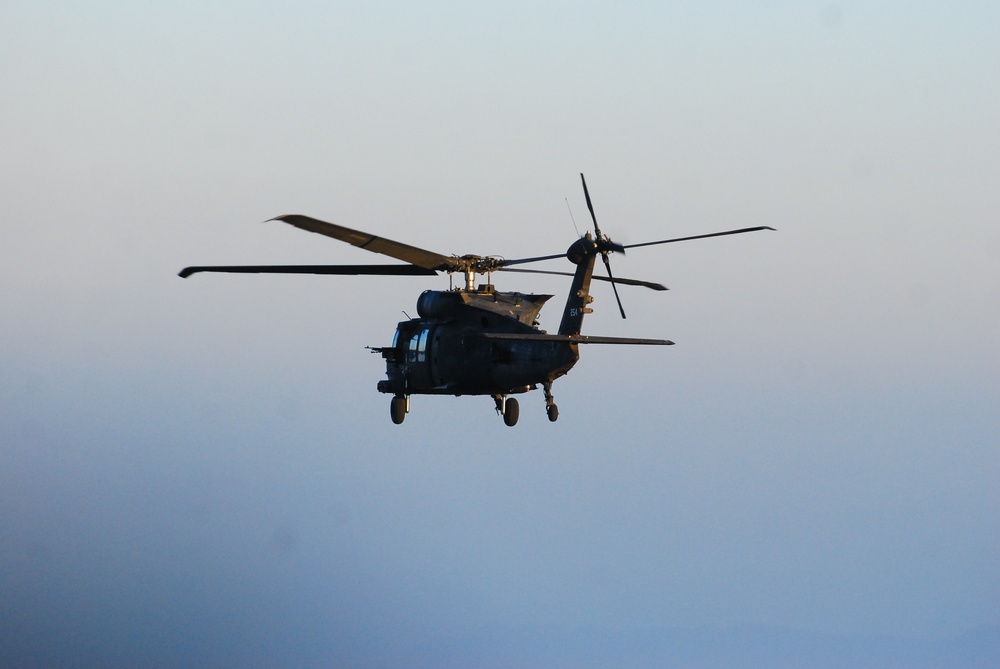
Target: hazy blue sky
[(202, 472)]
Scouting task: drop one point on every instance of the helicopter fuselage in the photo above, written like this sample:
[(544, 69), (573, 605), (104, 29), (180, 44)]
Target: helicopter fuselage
[(481, 342)]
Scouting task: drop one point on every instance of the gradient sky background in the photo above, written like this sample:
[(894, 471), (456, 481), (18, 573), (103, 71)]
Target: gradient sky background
[(201, 472)]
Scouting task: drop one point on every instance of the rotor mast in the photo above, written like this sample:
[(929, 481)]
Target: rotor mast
[(471, 265)]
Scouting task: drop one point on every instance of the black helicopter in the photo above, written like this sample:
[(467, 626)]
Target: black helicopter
[(477, 340)]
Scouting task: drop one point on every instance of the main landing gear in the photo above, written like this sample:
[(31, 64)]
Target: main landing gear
[(508, 408)]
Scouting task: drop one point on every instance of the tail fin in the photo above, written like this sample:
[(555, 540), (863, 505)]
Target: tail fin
[(579, 292)]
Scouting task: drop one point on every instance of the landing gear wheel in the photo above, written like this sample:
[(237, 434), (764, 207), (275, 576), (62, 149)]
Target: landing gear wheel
[(397, 409), (551, 410), (511, 412)]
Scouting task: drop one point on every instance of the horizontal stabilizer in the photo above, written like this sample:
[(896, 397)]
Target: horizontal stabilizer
[(576, 339)]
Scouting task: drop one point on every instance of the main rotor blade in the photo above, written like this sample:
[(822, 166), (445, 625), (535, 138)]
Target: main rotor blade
[(522, 261), (352, 270), (586, 194), (373, 243), (607, 265), (713, 234), (624, 282)]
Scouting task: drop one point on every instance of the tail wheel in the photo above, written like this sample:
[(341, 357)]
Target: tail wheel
[(397, 409), (511, 412)]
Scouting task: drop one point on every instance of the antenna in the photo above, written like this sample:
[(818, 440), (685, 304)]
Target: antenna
[(578, 235)]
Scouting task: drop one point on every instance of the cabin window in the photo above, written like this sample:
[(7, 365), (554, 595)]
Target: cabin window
[(500, 353)]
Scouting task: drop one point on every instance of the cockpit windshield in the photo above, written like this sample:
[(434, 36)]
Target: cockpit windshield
[(416, 349)]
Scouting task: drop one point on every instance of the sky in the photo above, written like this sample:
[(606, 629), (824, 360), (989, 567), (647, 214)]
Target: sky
[(201, 472)]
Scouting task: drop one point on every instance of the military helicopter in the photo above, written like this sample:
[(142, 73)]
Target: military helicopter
[(476, 340)]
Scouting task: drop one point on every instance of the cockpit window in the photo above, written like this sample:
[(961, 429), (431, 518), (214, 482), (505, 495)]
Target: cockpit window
[(411, 347), (416, 347), (422, 346)]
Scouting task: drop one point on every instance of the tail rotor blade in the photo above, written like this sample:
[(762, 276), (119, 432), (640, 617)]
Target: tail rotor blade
[(590, 206), (607, 266)]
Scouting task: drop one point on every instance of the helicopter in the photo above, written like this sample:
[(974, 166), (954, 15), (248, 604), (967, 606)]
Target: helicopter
[(476, 340)]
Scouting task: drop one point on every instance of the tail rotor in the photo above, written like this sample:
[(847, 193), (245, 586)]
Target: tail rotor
[(604, 245)]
